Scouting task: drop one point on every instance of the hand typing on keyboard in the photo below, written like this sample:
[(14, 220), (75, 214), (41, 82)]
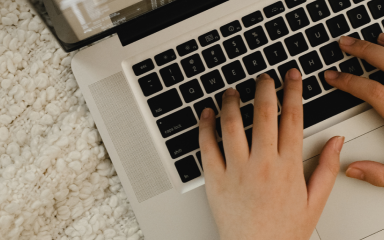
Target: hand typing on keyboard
[(371, 91), (259, 192)]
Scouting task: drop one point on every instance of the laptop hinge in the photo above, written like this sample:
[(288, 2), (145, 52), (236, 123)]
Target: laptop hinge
[(162, 18)]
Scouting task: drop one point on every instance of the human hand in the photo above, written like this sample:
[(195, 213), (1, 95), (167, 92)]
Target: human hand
[(368, 90), (261, 193)]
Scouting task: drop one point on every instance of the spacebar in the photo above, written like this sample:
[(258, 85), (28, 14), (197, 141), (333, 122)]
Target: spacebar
[(328, 106)]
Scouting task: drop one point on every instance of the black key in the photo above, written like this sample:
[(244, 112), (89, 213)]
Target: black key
[(275, 53), (247, 115), (187, 169), (192, 65), (206, 103), (283, 69), (248, 135), (233, 72), (358, 16), (331, 53), (187, 48), (317, 35), (171, 75), (247, 90), (252, 19), (176, 122), (214, 56), (339, 5), (256, 38), (183, 144), (254, 63), (354, 35), (165, 102), (191, 91), (276, 28), (311, 62), (368, 67), (212, 81), (219, 98), (322, 79), (165, 57), (297, 19), (338, 25), (358, 1), (294, 3), (377, 76), (272, 73), (318, 10), (371, 33), (274, 9), (143, 67), (280, 96), (230, 28), (296, 44), (377, 8), (352, 66), (311, 88), (198, 155), (235, 47), (150, 84), (209, 38), (328, 106)]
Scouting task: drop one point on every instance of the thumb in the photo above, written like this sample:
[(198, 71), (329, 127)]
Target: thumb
[(323, 178), (372, 172)]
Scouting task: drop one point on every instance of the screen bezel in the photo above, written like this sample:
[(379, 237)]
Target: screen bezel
[(138, 27)]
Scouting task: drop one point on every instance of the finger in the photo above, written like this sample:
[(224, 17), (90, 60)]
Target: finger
[(380, 39), (323, 178), (372, 53), (235, 142), (368, 90), (213, 161), (291, 123), (265, 117), (372, 172)]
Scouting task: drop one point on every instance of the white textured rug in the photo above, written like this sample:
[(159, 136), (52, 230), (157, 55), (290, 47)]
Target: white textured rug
[(56, 180)]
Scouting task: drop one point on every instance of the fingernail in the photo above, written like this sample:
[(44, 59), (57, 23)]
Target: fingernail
[(264, 75), (206, 113), (381, 37), (339, 144), (294, 74), (331, 75), (355, 173), (347, 41), (230, 92)]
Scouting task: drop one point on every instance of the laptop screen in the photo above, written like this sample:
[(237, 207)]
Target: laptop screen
[(78, 23), (76, 20)]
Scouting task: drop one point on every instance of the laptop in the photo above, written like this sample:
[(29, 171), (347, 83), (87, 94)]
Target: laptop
[(147, 68)]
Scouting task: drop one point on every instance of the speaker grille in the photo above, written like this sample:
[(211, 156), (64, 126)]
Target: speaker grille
[(130, 136)]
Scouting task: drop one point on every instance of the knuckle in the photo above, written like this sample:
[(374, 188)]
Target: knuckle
[(294, 113), (365, 48), (230, 124), (376, 91), (347, 80), (333, 167), (266, 110)]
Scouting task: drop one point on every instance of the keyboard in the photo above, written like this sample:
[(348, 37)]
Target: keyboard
[(192, 75)]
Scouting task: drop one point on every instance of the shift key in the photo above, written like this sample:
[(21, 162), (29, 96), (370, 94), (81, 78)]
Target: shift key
[(184, 143), (165, 102), (176, 122)]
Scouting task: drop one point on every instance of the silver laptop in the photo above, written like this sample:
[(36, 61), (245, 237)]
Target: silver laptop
[(163, 61)]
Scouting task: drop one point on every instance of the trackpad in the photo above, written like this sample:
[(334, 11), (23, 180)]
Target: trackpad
[(355, 209)]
